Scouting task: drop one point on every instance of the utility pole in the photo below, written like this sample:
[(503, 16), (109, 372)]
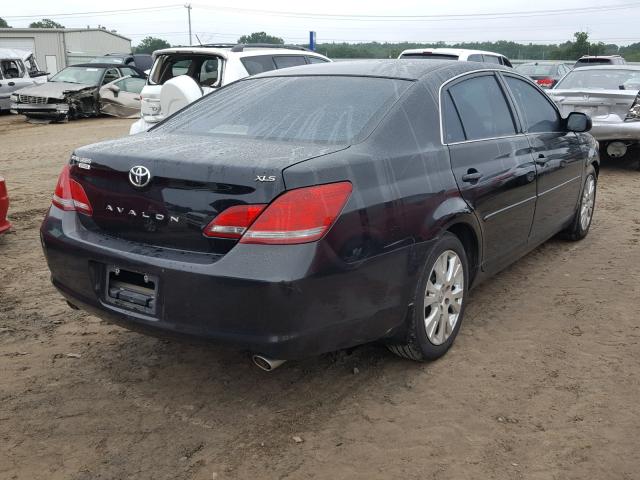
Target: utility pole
[(188, 7)]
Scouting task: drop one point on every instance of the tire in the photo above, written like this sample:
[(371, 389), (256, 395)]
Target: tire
[(580, 225), (430, 335)]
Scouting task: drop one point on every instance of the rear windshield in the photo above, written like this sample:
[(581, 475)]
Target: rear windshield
[(531, 69), (437, 56), (595, 61), (309, 109), (206, 70), (604, 79)]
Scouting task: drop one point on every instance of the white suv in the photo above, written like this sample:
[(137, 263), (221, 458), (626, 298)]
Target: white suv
[(209, 67), (460, 54)]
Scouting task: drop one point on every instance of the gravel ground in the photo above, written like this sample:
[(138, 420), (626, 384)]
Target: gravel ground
[(542, 382)]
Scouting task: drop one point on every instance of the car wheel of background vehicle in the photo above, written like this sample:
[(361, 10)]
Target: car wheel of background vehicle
[(439, 304), (584, 215)]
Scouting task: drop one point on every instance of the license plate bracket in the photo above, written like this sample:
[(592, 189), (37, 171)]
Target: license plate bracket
[(131, 290)]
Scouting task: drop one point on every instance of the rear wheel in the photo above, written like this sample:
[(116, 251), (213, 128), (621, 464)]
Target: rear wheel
[(582, 221), (440, 302)]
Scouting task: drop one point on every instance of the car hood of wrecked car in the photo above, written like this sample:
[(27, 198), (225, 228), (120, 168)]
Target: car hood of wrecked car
[(54, 89)]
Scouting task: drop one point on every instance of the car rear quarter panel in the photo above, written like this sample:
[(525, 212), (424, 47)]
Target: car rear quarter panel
[(404, 193)]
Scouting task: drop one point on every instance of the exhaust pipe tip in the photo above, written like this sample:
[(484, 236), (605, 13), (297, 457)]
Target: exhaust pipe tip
[(266, 364)]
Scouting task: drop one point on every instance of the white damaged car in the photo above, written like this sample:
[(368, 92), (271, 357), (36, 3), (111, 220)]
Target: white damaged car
[(610, 96)]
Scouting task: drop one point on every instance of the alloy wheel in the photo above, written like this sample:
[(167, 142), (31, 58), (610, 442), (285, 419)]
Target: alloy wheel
[(443, 297), (588, 201)]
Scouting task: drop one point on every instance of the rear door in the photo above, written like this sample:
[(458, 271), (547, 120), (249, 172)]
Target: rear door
[(557, 154), (492, 164)]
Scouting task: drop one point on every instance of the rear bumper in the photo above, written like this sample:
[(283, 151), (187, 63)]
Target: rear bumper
[(41, 110), (285, 302), (613, 128)]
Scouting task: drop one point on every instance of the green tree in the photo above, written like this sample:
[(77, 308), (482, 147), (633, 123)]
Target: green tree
[(46, 23), (150, 45), (260, 37), (3, 23)]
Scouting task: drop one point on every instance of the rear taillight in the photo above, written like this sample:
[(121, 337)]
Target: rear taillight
[(233, 222), (545, 82), (297, 216), (634, 112), (69, 194)]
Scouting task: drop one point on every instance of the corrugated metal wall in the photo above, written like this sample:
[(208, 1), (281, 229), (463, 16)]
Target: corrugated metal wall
[(69, 47)]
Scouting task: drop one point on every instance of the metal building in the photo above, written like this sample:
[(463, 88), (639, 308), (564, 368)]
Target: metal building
[(57, 48)]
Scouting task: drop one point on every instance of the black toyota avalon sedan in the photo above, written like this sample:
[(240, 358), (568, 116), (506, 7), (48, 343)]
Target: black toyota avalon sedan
[(315, 208)]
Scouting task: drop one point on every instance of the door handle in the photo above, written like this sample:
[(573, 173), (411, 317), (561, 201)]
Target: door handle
[(541, 160), (472, 176), (11, 84)]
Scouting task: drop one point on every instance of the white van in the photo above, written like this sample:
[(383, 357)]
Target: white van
[(181, 75), (18, 69)]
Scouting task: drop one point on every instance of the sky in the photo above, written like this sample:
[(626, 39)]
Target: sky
[(543, 21)]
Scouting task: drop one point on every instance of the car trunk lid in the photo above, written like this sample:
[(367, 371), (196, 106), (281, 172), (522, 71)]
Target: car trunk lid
[(191, 180), (595, 103)]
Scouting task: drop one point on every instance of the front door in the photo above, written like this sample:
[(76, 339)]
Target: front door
[(492, 164), (558, 156)]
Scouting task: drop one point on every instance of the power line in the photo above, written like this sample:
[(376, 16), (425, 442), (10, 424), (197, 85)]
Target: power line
[(425, 18), (77, 14)]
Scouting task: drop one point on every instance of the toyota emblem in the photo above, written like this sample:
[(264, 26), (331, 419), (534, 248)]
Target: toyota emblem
[(139, 176)]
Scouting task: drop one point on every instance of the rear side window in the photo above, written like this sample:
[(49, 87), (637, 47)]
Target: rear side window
[(453, 131), (286, 61), (475, 58), (427, 56), (539, 114), (258, 64), (483, 108), (491, 59), (308, 109), (316, 60)]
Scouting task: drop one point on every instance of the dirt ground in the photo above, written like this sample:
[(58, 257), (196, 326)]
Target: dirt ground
[(543, 381)]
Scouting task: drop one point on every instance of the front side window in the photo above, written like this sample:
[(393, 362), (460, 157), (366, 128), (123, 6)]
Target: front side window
[(308, 109), (539, 114), (12, 69), (110, 75), (124, 71), (258, 64), (483, 108), (131, 84)]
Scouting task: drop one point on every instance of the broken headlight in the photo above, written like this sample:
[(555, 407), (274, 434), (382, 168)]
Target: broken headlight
[(634, 112), (14, 98)]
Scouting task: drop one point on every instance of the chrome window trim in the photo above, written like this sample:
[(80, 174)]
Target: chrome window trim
[(509, 102)]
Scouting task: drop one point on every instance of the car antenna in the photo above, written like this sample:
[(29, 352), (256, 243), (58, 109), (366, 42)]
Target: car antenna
[(198, 38)]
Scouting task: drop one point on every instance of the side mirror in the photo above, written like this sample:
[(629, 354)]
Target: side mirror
[(115, 89), (578, 122)]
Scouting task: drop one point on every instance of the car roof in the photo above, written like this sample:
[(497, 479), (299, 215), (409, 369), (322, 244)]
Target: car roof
[(227, 52), (396, 68), (609, 67), (599, 56), (542, 62), (450, 51), (14, 53)]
